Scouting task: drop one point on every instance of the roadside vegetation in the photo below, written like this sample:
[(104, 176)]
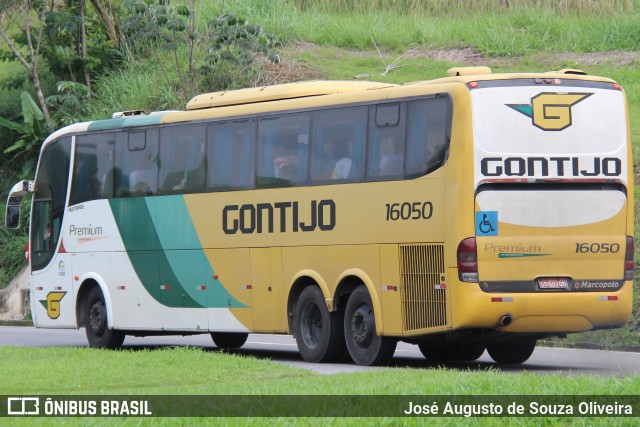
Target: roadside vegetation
[(185, 371), (156, 54)]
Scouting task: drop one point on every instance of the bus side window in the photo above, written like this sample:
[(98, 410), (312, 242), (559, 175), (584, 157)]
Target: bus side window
[(338, 144), (428, 135), (283, 144), (93, 168), (230, 155), (182, 159), (386, 141), (136, 163)]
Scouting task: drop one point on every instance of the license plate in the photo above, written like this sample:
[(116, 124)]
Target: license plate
[(553, 283)]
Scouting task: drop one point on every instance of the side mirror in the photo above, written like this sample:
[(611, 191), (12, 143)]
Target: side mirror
[(18, 191), (12, 214)]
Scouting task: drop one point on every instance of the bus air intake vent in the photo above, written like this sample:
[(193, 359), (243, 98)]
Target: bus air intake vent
[(424, 303)]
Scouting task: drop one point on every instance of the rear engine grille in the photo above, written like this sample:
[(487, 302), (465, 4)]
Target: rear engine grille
[(424, 303)]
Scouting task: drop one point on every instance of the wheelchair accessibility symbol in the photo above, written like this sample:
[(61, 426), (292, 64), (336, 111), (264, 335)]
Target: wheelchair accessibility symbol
[(487, 223)]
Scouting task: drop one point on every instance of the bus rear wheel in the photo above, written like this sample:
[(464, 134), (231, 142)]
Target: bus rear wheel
[(229, 340), (97, 328), (512, 352), (318, 331), (452, 352), (365, 346)]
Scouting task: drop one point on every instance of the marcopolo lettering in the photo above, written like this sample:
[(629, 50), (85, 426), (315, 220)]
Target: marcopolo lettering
[(551, 166), (280, 216)]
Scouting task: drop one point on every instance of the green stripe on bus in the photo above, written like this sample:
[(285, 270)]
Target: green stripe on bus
[(125, 122), (105, 124), (143, 120), (179, 239), (172, 222), (146, 255), (165, 250)]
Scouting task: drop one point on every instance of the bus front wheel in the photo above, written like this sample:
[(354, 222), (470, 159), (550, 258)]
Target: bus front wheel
[(513, 352), (365, 346), (229, 340), (318, 331), (97, 328)]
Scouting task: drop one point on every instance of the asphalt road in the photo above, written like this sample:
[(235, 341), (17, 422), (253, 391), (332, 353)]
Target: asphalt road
[(283, 349)]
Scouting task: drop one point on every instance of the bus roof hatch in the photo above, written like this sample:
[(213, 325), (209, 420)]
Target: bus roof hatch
[(468, 71)]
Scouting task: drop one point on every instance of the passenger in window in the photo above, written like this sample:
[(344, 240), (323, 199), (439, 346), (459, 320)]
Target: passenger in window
[(121, 187), (342, 151), (115, 180), (323, 162), (391, 158), (285, 161), (90, 188)]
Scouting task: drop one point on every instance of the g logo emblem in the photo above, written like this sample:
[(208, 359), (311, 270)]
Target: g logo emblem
[(550, 111), (52, 304)]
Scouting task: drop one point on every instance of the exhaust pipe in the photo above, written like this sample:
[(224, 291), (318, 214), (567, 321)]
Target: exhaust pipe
[(505, 320)]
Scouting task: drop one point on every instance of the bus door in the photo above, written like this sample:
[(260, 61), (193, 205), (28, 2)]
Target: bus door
[(51, 273)]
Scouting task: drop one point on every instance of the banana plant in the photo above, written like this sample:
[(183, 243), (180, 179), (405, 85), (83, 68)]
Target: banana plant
[(31, 132)]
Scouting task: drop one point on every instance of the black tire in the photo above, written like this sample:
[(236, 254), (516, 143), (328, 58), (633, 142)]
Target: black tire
[(473, 351), (96, 326), (452, 352), (511, 353), (365, 347), (318, 332), (229, 340)]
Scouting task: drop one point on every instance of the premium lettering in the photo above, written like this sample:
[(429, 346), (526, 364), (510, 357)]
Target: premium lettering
[(517, 248), (85, 231), (279, 217)]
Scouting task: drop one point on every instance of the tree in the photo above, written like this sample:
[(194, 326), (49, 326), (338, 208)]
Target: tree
[(70, 103), (62, 43), (191, 62), (109, 20), (31, 133), (30, 62)]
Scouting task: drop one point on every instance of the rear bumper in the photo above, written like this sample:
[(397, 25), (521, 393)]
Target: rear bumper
[(539, 312)]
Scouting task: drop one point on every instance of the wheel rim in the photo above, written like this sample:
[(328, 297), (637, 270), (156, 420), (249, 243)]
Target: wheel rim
[(361, 326), (97, 318), (311, 326)]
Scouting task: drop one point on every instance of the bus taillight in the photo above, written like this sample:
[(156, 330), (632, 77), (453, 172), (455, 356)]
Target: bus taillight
[(468, 260), (26, 252), (628, 260)]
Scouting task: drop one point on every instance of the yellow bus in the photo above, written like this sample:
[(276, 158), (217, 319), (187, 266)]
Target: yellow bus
[(476, 211)]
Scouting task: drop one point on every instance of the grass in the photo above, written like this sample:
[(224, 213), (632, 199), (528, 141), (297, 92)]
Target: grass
[(492, 30), (448, 7), (136, 85), (187, 371)]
